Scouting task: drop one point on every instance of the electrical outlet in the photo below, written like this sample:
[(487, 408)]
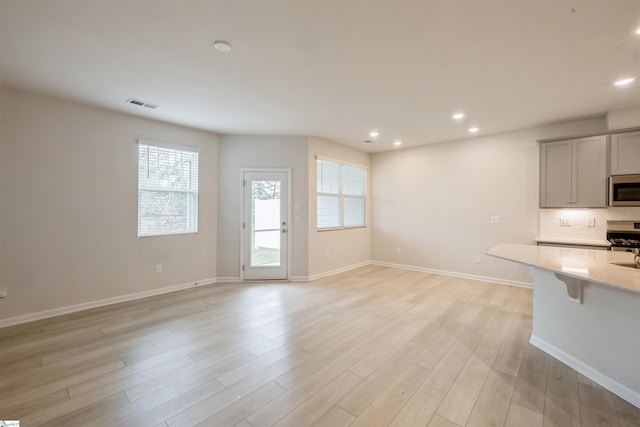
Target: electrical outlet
[(591, 222), (565, 222), (495, 219), (477, 259), (327, 255), (398, 250), (3, 292), (158, 268)]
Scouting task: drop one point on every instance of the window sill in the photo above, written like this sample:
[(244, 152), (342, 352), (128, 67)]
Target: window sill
[(320, 230), (168, 234)]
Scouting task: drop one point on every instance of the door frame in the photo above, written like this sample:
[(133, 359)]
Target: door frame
[(242, 215)]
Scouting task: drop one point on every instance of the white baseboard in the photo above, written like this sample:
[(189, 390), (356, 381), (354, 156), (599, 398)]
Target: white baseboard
[(228, 280), (598, 377), (454, 274), (99, 303), (330, 272)]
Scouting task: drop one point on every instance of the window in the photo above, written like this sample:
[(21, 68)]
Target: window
[(167, 190), (341, 195)]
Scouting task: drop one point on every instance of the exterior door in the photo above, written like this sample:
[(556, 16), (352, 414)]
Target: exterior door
[(265, 240)]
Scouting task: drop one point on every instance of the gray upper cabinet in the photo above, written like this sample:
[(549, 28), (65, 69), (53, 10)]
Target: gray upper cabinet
[(625, 153), (573, 173), (555, 174)]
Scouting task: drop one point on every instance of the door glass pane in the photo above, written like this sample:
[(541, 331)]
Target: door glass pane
[(265, 223)]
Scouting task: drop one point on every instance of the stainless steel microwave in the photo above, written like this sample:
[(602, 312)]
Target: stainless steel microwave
[(624, 190)]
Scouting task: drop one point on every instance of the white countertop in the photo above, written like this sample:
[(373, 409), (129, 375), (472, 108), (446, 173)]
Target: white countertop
[(568, 241), (588, 264)]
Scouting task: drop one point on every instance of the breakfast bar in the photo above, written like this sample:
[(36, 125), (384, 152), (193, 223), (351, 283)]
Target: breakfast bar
[(586, 311)]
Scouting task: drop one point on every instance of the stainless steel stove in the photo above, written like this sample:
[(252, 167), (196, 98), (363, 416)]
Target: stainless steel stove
[(624, 235)]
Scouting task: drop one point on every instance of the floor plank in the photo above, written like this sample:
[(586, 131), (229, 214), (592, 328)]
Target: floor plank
[(303, 390), (463, 395), (531, 386), (562, 403), (317, 405), (510, 354), (445, 373), (523, 417), (419, 409), (387, 405), (359, 398), (492, 405), (334, 417), (597, 407)]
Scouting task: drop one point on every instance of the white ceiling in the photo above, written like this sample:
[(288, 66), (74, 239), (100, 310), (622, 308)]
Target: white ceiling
[(333, 69)]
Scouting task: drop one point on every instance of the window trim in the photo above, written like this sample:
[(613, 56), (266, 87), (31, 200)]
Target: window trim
[(341, 195), (175, 147)]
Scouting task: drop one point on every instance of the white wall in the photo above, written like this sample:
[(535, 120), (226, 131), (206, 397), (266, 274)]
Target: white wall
[(240, 151), (434, 202), (336, 249), (69, 206), (622, 119)]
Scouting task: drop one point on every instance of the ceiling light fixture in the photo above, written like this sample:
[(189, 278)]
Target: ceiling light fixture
[(624, 82), (474, 129), (222, 46), (636, 31), (374, 134), (458, 116), (397, 143)]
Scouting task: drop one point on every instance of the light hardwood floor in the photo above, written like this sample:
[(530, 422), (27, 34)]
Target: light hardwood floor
[(372, 347)]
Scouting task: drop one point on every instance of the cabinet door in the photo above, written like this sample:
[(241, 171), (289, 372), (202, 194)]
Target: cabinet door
[(555, 174), (625, 153), (589, 177)]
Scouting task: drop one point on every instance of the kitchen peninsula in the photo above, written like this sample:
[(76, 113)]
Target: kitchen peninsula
[(586, 311)]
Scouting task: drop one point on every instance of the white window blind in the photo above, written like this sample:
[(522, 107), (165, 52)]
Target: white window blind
[(167, 191), (341, 195)]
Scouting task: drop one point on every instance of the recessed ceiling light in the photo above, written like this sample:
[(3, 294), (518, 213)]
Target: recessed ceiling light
[(624, 82), (474, 129), (222, 46), (397, 143), (374, 133), (636, 31), (458, 116)]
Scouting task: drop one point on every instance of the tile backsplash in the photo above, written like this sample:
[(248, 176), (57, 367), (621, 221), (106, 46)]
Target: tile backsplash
[(576, 222)]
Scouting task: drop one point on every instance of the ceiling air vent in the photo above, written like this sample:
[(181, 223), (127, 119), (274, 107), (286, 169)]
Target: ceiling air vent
[(141, 103)]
